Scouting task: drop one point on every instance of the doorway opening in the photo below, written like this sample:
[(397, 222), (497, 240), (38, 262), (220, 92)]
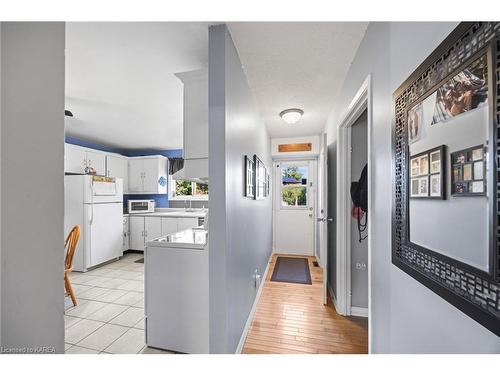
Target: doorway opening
[(352, 288)]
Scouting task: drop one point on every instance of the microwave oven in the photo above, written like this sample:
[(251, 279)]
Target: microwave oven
[(139, 206)]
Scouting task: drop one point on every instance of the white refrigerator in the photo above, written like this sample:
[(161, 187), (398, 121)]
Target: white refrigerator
[(96, 204)]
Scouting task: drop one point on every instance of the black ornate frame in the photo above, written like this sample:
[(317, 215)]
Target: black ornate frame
[(473, 291)]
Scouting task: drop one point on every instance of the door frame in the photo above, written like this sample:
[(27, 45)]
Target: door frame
[(276, 192), (362, 101)]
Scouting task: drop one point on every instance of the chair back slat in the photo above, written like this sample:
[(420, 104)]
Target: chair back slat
[(70, 245)]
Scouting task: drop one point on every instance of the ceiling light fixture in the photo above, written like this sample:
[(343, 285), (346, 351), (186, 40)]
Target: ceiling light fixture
[(292, 115)]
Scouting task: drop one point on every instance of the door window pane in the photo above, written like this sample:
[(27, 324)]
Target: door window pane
[(294, 180)]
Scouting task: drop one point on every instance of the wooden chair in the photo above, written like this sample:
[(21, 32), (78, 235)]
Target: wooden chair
[(70, 245)]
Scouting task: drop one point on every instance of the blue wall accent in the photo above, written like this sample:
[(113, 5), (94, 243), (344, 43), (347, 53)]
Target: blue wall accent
[(160, 199), (167, 153), (90, 144)]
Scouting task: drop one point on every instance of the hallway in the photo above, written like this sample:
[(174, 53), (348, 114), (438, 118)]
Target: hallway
[(291, 319)]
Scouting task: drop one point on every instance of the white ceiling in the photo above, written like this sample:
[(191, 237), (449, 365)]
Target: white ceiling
[(296, 65), (121, 88), (120, 82)]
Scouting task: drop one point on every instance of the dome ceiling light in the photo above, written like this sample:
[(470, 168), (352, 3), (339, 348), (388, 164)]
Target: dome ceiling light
[(292, 115)]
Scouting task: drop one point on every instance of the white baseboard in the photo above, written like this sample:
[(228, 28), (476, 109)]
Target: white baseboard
[(244, 334), (334, 299), (359, 311)]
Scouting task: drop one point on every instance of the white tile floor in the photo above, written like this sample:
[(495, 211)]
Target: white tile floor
[(109, 317)]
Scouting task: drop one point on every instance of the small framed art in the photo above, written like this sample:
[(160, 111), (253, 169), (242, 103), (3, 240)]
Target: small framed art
[(468, 172), (249, 178), (426, 174)]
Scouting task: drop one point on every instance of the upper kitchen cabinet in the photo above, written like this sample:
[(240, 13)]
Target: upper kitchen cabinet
[(117, 166), (195, 127), (77, 158), (147, 175)]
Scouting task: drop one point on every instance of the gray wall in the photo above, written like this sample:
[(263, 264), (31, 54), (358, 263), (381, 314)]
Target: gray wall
[(240, 228), (359, 250), (32, 241), (406, 316)]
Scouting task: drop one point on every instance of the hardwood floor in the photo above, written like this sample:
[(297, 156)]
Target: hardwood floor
[(291, 318)]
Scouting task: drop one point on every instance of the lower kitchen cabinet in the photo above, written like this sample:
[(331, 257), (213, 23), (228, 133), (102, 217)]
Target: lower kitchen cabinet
[(146, 228), (152, 228), (169, 225), (126, 235), (186, 223), (136, 224)]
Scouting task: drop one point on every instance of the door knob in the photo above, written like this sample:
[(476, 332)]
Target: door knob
[(329, 219)]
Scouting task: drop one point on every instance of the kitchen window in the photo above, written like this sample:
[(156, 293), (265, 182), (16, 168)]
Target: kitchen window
[(184, 189)]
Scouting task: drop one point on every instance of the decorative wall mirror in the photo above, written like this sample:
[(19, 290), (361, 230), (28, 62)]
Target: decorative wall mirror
[(447, 115)]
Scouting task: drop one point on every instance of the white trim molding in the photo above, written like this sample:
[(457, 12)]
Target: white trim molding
[(244, 334), (359, 311), (362, 101)]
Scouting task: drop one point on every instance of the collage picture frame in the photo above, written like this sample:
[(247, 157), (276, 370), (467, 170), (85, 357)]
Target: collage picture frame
[(428, 174)]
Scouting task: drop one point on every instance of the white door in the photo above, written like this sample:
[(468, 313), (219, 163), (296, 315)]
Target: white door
[(151, 169), (118, 167), (294, 207), (74, 159), (322, 217), (136, 225), (168, 225), (135, 173), (106, 232), (186, 223), (97, 161), (152, 226)]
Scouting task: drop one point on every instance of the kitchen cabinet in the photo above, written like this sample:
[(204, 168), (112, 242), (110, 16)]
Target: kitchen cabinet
[(147, 175), (146, 228), (153, 228), (77, 158), (126, 235), (97, 161), (168, 225), (186, 223), (117, 166), (74, 159), (136, 224)]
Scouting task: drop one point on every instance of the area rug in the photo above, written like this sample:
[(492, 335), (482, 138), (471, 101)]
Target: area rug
[(292, 270)]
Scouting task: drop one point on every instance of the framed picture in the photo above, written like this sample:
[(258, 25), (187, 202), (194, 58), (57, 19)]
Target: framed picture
[(426, 174), (260, 178), (469, 171), (249, 178)]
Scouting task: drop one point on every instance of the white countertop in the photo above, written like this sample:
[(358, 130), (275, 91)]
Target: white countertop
[(171, 214), (196, 238)]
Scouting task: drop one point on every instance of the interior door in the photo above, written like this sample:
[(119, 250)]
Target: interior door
[(294, 211), (106, 232), (323, 219)]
